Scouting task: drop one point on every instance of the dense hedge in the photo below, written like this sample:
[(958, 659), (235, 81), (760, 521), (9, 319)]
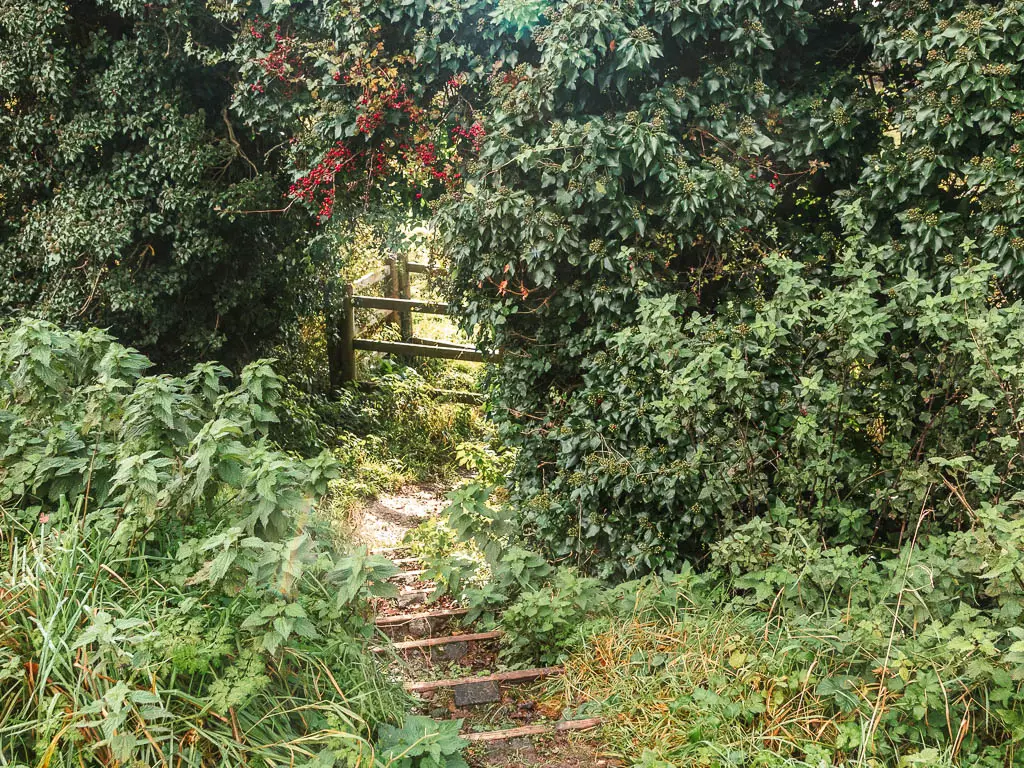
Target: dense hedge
[(742, 256), (171, 169), (750, 256), (123, 178)]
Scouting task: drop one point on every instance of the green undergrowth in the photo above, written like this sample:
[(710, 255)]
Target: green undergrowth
[(403, 424), (171, 594), (398, 433), (782, 651), (789, 654)]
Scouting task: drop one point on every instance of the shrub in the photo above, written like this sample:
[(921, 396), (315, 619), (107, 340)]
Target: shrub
[(166, 595), (540, 625), (787, 653), (731, 267), (131, 185)]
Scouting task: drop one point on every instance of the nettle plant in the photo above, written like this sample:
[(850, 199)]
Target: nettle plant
[(738, 253), (186, 546)]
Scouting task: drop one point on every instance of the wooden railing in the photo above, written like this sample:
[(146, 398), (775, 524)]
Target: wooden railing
[(396, 306)]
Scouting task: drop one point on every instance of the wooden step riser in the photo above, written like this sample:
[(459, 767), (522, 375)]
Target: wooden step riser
[(517, 676), (534, 730), (481, 690), (417, 629), (450, 648), (399, 552), (503, 692)]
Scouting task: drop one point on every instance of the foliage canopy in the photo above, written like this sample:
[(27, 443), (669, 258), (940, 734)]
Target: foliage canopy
[(750, 256)]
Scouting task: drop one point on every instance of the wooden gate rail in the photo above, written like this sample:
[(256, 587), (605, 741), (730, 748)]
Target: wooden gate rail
[(396, 307), (400, 305), (471, 354)]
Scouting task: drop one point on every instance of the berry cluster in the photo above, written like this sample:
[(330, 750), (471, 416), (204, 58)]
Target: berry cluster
[(426, 153), (259, 29), (327, 204), (771, 184), (393, 138), (373, 106), (281, 61), (319, 182), (368, 122), (475, 134)]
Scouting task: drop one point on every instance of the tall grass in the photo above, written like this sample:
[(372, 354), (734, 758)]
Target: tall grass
[(167, 596), (840, 667), (98, 667)]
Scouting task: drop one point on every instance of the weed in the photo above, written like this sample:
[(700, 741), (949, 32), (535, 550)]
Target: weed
[(166, 596)]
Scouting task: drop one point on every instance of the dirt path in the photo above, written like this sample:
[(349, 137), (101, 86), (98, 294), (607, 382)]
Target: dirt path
[(382, 525)]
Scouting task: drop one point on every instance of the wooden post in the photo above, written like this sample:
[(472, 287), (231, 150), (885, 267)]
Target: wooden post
[(405, 315), (331, 337), (347, 350), (394, 288), (405, 289)]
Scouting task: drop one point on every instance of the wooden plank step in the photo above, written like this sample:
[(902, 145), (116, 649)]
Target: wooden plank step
[(534, 730), (410, 575), (430, 642), (518, 675), (400, 561), (408, 618), (389, 550), (408, 598)]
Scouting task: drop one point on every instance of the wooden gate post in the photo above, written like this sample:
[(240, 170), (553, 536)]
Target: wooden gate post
[(331, 337), (394, 287), (347, 350), (405, 315), (405, 289)]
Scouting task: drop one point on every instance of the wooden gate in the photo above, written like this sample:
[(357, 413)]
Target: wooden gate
[(395, 305)]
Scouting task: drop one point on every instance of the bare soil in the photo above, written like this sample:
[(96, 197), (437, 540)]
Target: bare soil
[(383, 522), (563, 750)]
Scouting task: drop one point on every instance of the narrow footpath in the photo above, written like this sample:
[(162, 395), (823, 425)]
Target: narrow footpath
[(511, 717)]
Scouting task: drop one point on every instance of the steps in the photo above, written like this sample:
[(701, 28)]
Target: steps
[(432, 637), (410, 618), (434, 642), (409, 626), (499, 677)]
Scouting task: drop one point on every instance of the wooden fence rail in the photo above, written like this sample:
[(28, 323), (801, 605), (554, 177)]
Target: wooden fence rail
[(396, 306)]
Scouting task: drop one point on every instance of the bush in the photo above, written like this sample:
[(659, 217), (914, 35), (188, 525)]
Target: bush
[(747, 254), (790, 654), (166, 595), (541, 624), (130, 184)]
